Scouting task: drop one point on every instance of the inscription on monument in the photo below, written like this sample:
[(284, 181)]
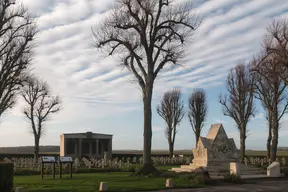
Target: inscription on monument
[(201, 152), (221, 147)]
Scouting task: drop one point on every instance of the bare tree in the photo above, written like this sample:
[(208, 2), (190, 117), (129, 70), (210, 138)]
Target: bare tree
[(40, 104), (239, 103), (270, 90), (16, 34), (197, 111), (147, 36), (276, 43), (171, 110)]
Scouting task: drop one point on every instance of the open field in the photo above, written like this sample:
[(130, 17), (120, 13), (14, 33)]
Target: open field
[(264, 153)]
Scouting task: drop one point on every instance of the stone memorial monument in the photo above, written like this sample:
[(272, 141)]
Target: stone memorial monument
[(216, 149)]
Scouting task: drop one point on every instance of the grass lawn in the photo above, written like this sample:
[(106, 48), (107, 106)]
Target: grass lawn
[(88, 182)]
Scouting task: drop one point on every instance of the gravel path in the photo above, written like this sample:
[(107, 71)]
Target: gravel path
[(263, 186)]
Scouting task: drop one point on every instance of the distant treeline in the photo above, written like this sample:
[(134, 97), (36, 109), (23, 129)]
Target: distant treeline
[(29, 149), (282, 148)]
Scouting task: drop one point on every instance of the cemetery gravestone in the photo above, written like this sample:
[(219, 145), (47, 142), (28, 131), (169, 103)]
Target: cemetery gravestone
[(169, 183), (103, 186), (273, 170), (235, 169)]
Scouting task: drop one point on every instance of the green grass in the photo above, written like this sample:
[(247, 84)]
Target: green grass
[(166, 167), (89, 182)]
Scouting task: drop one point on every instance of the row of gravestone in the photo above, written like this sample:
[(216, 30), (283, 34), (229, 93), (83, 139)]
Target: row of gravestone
[(30, 163), (263, 161)]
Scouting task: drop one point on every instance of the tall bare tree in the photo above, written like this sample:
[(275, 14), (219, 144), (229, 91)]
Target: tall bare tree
[(147, 36), (171, 110), (270, 90), (40, 104), (17, 31), (198, 109), (239, 103), (276, 43)]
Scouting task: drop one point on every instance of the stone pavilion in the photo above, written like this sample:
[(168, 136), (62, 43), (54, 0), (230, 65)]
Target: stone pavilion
[(86, 144)]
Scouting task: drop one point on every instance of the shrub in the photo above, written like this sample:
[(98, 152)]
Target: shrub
[(6, 176), (232, 178), (284, 170), (106, 169), (24, 172), (197, 178)]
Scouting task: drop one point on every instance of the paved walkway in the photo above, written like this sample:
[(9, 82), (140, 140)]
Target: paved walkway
[(263, 186)]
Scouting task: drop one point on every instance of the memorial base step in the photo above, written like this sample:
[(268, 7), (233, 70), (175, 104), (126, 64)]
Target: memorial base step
[(222, 170)]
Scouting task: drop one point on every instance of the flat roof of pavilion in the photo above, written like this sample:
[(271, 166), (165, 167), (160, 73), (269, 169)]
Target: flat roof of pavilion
[(86, 135)]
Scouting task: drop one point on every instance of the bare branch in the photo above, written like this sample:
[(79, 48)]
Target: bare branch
[(17, 31), (152, 32), (276, 43), (198, 110), (39, 104), (270, 89), (171, 110), (239, 102)]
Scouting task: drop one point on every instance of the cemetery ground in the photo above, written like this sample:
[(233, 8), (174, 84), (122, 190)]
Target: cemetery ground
[(124, 181), (119, 176), (117, 181)]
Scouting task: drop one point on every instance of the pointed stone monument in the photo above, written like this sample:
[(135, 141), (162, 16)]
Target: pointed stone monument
[(216, 149)]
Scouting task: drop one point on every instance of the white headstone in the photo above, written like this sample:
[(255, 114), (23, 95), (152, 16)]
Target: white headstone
[(235, 169), (169, 183), (103, 186), (273, 170), (77, 162)]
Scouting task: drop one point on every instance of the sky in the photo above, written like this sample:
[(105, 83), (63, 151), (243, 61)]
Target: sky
[(100, 96)]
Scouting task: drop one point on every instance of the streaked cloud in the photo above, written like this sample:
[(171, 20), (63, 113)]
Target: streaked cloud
[(93, 87)]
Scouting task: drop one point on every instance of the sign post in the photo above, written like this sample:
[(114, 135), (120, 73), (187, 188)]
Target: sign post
[(68, 160), (47, 160)]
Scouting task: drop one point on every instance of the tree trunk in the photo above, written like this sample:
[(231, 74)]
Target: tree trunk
[(274, 143), (148, 167), (268, 144), (171, 149), (273, 152), (197, 136), (36, 147), (269, 138), (242, 145)]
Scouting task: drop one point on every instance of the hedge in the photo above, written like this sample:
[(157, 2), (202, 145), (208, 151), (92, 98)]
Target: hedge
[(6, 176)]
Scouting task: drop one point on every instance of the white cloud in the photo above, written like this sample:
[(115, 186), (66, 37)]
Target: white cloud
[(156, 128), (258, 116), (220, 121)]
